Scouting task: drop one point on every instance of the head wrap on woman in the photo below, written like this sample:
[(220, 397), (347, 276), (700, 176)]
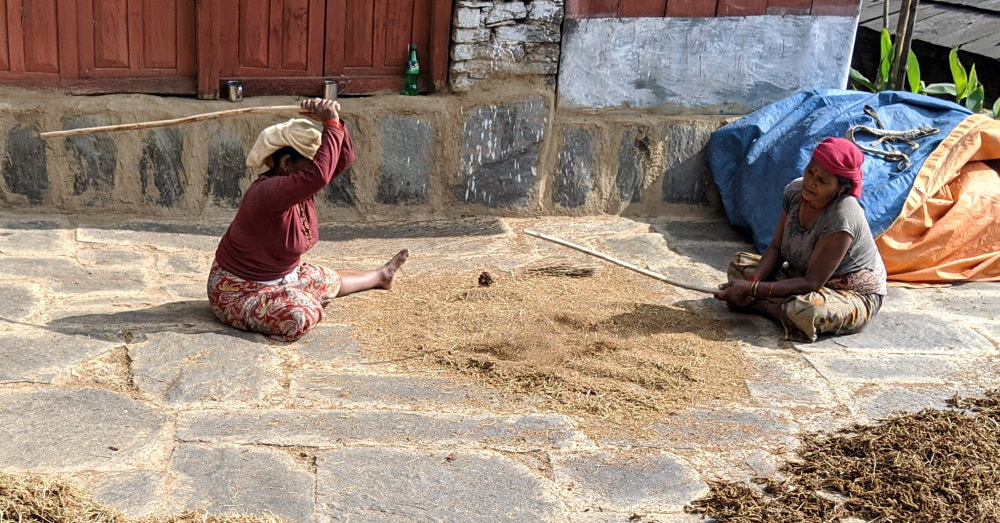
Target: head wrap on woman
[(298, 133), (842, 158)]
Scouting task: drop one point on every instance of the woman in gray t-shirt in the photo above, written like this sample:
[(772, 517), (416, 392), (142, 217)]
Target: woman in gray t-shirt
[(821, 274)]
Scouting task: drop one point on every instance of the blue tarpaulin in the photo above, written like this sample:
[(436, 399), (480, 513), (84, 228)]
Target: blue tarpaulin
[(753, 158)]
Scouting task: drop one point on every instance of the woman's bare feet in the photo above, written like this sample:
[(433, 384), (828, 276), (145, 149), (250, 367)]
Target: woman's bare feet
[(387, 272)]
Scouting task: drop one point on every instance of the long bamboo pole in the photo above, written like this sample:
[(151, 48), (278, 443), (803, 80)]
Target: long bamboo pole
[(265, 109), (621, 263)]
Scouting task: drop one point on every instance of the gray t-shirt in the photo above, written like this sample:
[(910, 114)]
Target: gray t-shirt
[(861, 270)]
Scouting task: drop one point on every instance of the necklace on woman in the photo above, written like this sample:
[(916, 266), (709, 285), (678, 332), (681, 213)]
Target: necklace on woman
[(304, 222), (815, 208)]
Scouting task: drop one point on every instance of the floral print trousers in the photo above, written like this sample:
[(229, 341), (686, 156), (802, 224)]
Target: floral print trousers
[(283, 312), (826, 311)]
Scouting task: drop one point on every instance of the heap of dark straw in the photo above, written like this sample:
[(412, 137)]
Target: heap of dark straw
[(934, 465)]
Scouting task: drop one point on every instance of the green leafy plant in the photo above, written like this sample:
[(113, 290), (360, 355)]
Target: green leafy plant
[(965, 87)]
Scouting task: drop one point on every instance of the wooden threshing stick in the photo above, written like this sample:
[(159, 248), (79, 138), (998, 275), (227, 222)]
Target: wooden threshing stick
[(266, 109), (616, 261)]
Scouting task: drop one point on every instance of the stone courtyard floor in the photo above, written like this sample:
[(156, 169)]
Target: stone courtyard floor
[(115, 375)]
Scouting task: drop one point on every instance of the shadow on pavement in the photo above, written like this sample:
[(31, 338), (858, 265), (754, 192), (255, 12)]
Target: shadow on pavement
[(188, 316)]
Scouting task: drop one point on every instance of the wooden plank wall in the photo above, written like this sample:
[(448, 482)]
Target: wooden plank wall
[(708, 8)]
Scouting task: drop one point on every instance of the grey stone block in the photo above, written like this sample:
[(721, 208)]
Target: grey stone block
[(226, 480), (505, 13), (113, 258), (163, 235), (398, 485), (575, 170), (34, 236), (132, 325), (226, 169), (376, 391), (136, 493), (340, 192), (160, 166), (500, 153), (528, 33), (323, 428), (63, 430), (65, 276), (681, 231), (896, 368), (787, 379), (24, 166), (37, 355), (183, 369), (635, 482), (328, 344), (725, 428), (92, 159), (19, 302), (979, 300), (687, 178), (905, 332), (468, 18), (633, 156), (407, 147), (884, 402)]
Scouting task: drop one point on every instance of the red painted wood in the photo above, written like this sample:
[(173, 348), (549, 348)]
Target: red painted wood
[(294, 35), (399, 34), (692, 8), (591, 8), (741, 7), (4, 37), (133, 41), (317, 38), (836, 7), (110, 27), (274, 26), (186, 47), (16, 33), (637, 8), (359, 34), (381, 28), (159, 33), (789, 7), (85, 38), (209, 48), (69, 40), (229, 36), (440, 32), (253, 38), (41, 45), (336, 24)]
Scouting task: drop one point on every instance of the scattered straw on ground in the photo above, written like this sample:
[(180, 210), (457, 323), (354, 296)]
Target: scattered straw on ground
[(605, 345), (934, 465), (26, 498)]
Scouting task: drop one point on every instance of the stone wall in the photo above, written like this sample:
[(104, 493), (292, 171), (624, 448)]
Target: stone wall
[(492, 40), (498, 151)]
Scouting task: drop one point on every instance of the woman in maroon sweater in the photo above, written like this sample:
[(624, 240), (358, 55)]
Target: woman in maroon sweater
[(258, 282)]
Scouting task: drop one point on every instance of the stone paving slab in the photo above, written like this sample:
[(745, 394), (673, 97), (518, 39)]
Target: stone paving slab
[(228, 479), (210, 417), (379, 484), (20, 301), (323, 388), (328, 428), (633, 482), (37, 355), (74, 429), (205, 368), (905, 332)]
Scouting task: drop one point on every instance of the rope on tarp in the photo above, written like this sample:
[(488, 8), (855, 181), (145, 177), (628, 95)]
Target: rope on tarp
[(884, 135)]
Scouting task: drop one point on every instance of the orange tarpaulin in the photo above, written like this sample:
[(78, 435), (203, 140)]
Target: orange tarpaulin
[(949, 228)]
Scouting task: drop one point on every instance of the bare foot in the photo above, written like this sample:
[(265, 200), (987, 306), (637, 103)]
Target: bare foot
[(387, 272)]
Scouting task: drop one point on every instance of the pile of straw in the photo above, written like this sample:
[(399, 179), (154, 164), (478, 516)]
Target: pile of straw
[(609, 346), (934, 465)]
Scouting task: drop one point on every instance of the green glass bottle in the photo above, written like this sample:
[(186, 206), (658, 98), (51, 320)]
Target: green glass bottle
[(412, 72)]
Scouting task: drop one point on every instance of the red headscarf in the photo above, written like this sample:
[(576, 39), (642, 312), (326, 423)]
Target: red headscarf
[(843, 158)]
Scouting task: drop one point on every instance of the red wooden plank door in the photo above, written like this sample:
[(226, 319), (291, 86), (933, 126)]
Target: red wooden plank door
[(30, 39), (137, 38), (271, 38), (367, 42)]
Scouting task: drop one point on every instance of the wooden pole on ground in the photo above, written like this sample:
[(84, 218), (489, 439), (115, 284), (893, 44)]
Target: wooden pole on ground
[(616, 261), (266, 109)]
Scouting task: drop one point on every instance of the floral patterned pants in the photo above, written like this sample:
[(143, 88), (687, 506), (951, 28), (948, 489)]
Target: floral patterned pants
[(826, 311), (283, 312)]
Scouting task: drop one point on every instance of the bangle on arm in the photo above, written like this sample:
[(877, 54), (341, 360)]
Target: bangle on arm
[(771, 290), (753, 278)]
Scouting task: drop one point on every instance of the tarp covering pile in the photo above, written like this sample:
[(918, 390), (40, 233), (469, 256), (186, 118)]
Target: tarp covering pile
[(935, 220)]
